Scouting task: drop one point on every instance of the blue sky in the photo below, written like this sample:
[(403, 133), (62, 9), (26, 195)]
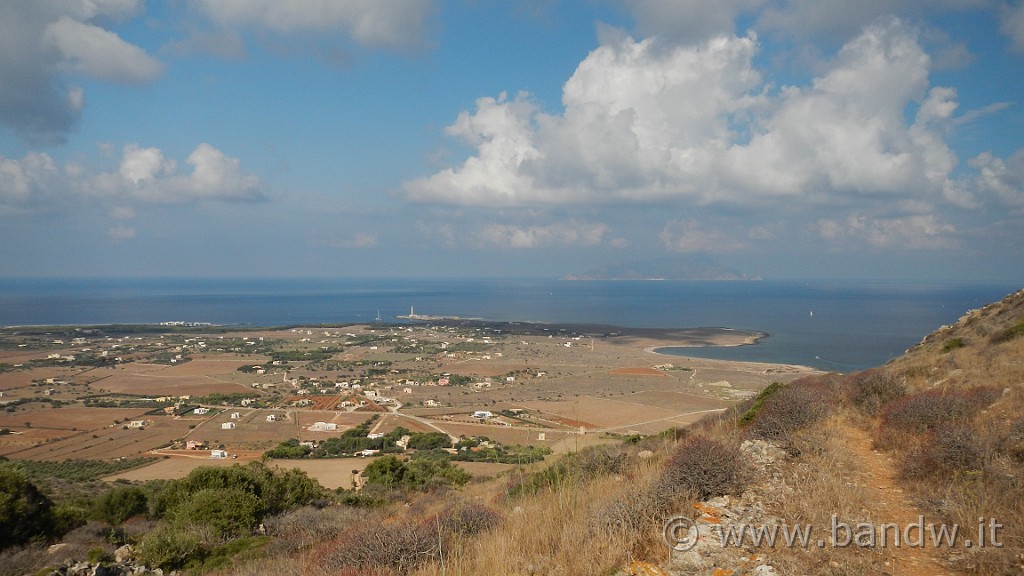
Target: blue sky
[(775, 138)]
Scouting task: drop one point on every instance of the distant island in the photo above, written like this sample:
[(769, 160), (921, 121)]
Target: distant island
[(690, 268)]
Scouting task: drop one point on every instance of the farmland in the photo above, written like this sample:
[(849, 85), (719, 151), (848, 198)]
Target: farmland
[(71, 393)]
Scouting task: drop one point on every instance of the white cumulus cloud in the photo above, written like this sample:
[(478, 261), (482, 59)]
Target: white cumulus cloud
[(1012, 24), (42, 41), (646, 121), (144, 174), (368, 22), (121, 232), (568, 233), (690, 236), (913, 232), (99, 53), (1003, 178)]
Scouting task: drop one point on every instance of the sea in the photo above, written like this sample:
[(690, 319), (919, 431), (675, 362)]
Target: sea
[(839, 326)]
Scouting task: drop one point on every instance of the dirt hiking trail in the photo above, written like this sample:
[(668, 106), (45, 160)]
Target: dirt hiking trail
[(891, 505)]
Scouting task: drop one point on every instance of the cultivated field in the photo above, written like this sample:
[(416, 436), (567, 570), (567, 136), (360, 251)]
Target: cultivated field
[(561, 387)]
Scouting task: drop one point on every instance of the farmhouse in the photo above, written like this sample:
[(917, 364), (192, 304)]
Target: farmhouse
[(483, 414), (271, 418), (235, 415), (323, 427), (227, 426), (218, 454), (136, 423), (201, 411), (195, 445)]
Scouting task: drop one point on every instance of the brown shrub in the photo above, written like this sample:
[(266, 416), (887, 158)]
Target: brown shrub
[(951, 449), (870, 390), (398, 546), (466, 519), (635, 510), (794, 407), (924, 411), (704, 468)]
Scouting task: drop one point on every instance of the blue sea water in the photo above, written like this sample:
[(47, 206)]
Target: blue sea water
[(839, 326)]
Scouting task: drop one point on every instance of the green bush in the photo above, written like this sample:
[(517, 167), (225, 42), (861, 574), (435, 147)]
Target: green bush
[(289, 450), (25, 512), (170, 547), (952, 344), (227, 512), (119, 504), (588, 463), (417, 474), (429, 441), (275, 491), (1008, 334), (750, 412)]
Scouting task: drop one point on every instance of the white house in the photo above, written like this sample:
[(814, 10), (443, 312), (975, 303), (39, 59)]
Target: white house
[(136, 423), (235, 415), (227, 426), (323, 427), (271, 418), (483, 414), (218, 454), (201, 411)]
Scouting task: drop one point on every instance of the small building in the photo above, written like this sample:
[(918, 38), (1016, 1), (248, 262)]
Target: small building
[(201, 411), (195, 445), (323, 427), (218, 454), (483, 414), (136, 423), (271, 418), (227, 426)]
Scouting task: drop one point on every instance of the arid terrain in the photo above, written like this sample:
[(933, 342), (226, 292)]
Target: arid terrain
[(116, 392)]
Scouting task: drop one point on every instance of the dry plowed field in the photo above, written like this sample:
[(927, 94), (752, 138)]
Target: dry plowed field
[(605, 414), (107, 443), (160, 380), (23, 378), (318, 402), (639, 372)]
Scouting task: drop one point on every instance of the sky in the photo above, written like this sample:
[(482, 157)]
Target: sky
[(879, 140)]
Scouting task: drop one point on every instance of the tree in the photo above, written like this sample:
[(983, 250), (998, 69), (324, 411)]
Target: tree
[(227, 512), (387, 471), (120, 504), (25, 512), (429, 441)]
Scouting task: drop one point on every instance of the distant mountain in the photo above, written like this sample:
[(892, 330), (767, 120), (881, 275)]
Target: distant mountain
[(689, 268)]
